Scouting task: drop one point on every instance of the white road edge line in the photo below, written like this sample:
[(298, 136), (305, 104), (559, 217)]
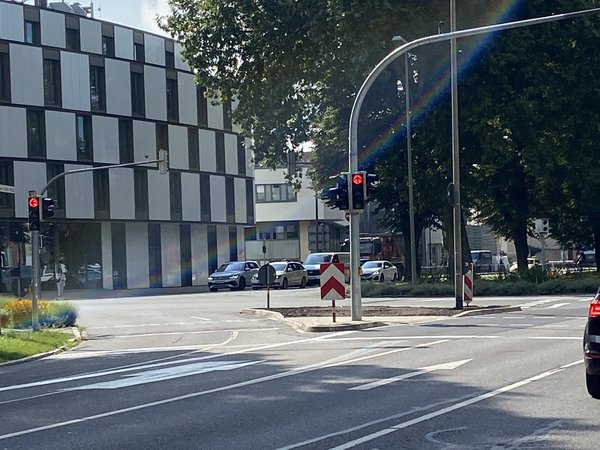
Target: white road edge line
[(454, 407)]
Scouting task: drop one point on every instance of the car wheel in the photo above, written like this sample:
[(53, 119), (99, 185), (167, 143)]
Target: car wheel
[(242, 285), (592, 383), (303, 283), (381, 278), (284, 283), (212, 289)]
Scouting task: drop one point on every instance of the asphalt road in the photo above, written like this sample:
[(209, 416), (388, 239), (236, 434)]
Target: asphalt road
[(191, 372)]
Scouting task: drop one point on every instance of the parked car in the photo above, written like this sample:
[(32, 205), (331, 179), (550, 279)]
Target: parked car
[(287, 273), (233, 275), (531, 263), (314, 260), (591, 348), (379, 271)]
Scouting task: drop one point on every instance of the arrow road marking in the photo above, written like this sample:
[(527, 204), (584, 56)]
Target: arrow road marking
[(404, 376)]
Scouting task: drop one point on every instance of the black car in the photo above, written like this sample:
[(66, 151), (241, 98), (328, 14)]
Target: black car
[(591, 348)]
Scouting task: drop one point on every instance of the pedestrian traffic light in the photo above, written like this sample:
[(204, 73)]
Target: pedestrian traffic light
[(337, 196), (372, 186), (358, 188), (34, 213), (47, 208)]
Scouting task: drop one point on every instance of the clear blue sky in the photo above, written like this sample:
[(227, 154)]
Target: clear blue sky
[(134, 13)]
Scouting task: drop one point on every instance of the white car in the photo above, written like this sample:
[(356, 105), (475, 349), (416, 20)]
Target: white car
[(379, 271), (287, 274)]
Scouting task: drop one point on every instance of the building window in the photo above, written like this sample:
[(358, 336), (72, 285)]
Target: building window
[(202, 107), (162, 137), (4, 73), (36, 133), (220, 147), (205, 198), (169, 59), (241, 156), (72, 39), (108, 46), (193, 149), (230, 199), (32, 32), (138, 52), (172, 98), (140, 185), (227, 124), (271, 193), (137, 91), (101, 194), (175, 194), (52, 90), (56, 191), (97, 88), (83, 128), (7, 177), (249, 200), (125, 141)]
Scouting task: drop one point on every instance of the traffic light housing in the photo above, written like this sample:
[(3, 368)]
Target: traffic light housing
[(372, 185), (358, 189), (542, 225), (47, 208), (33, 204), (337, 196)]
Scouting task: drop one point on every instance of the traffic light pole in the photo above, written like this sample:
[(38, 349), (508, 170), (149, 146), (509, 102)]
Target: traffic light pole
[(163, 163)]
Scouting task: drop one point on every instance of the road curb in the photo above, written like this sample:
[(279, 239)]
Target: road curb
[(483, 311)]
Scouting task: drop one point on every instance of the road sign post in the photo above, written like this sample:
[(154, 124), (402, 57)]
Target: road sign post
[(332, 283), (266, 276)]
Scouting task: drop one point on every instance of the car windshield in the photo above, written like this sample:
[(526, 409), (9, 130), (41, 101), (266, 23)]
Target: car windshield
[(279, 266), (231, 267), (372, 265), (317, 259)]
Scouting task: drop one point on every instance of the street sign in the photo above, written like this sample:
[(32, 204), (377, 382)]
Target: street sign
[(266, 275), (6, 189), (332, 282)]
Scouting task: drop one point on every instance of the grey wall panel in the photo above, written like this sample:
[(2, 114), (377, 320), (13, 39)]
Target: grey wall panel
[(155, 91), (180, 64), (241, 243), (26, 75), (13, 132), (107, 268), (188, 107), (75, 81), (154, 49), (178, 148), (122, 197), (52, 27), (91, 36), (11, 22), (215, 114), (190, 193), (239, 184), (118, 87), (217, 198), (28, 176), (208, 152), (199, 255), (79, 193), (170, 255), (60, 136), (106, 139), (144, 140), (231, 154), (123, 43), (159, 204), (138, 276)]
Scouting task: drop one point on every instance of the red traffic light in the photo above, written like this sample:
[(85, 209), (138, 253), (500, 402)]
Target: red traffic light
[(34, 202), (358, 178)]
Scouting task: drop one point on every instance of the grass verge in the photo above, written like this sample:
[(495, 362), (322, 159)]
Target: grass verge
[(21, 344)]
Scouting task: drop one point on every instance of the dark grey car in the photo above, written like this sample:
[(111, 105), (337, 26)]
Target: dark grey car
[(233, 275)]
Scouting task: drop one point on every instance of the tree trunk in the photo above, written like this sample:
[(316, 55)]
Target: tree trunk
[(522, 248)]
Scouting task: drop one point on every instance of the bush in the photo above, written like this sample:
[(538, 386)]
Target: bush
[(50, 315)]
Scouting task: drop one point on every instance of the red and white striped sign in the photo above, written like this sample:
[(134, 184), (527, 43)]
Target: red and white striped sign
[(332, 282), (468, 285)]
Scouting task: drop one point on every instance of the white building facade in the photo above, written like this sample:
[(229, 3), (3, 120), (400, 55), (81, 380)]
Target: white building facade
[(79, 93)]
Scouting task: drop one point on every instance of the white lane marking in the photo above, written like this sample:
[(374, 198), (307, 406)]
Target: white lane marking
[(135, 367), (565, 338), (169, 373), (537, 303), (145, 325), (179, 333), (558, 305), (431, 438), (534, 439), (309, 368), (454, 407), (422, 336), (404, 376), (200, 318)]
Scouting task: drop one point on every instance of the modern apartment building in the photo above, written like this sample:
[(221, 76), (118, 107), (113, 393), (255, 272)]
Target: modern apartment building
[(75, 93)]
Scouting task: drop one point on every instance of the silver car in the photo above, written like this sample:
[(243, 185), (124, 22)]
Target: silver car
[(233, 275), (379, 271), (287, 273)]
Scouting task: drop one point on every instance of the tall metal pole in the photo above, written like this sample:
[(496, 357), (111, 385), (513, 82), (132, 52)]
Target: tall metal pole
[(35, 273), (457, 216), (411, 200)]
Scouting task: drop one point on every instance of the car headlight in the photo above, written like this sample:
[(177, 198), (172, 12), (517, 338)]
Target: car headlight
[(233, 277), (210, 278), (377, 272)]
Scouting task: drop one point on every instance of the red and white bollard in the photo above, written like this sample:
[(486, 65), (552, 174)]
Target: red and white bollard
[(468, 285)]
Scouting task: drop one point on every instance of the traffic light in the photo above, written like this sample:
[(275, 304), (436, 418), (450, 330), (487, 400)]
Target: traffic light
[(358, 188), (34, 213), (372, 185), (47, 208), (337, 196), (542, 225)]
